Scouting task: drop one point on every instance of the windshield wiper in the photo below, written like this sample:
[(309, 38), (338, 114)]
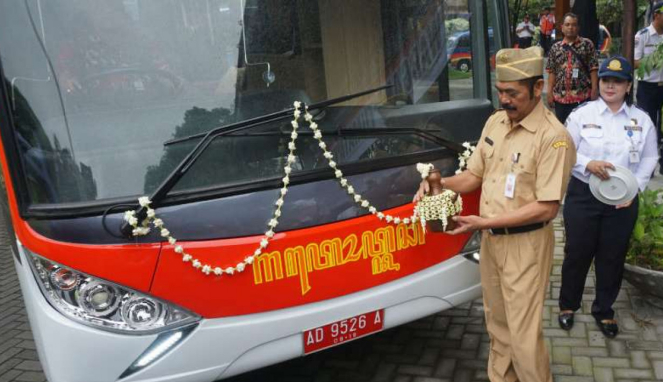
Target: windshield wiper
[(428, 134), (160, 193), (268, 118)]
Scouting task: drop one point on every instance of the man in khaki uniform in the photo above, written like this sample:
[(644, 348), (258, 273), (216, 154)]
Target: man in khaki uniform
[(522, 164)]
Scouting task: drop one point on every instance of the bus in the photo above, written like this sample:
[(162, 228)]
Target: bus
[(182, 113)]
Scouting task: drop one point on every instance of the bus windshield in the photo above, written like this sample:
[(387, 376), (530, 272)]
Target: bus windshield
[(96, 87)]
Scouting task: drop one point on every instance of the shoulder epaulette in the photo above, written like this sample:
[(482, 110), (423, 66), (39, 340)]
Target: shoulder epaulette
[(581, 105), (550, 116), (641, 109), (642, 30)]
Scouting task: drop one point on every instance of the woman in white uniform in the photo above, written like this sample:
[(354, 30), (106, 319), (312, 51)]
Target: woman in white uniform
[(607, 132)]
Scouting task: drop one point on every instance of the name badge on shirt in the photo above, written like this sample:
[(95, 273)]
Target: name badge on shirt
[(576, 73), (591, 126), (510, 187), (633, 156)]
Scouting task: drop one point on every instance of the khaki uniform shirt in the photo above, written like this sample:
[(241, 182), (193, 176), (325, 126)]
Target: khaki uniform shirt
[(538, 151)]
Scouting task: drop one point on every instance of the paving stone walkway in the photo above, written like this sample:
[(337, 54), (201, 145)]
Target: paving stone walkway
[(449, 346)]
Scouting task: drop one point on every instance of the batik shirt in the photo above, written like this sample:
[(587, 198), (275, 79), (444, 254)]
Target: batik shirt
[(562, 62)]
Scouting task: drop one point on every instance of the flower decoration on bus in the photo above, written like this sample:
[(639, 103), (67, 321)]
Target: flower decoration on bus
[(141, 228)]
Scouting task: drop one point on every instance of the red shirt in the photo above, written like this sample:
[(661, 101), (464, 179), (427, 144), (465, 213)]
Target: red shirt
[(547, 24)]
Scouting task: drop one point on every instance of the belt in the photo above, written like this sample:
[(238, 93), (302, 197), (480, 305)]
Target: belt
[(519, 229), (651, 83)]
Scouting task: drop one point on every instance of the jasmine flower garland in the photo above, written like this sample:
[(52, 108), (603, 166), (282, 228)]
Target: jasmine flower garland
[(142, 228)]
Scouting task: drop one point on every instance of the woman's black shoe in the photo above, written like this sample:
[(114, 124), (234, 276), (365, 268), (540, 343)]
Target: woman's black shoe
[(608, 327), (565, 320)]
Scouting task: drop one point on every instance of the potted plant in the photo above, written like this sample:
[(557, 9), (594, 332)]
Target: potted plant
[(644, 260)]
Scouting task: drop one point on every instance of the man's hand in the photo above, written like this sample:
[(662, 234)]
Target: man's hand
[(600, 168), (467, 224), (423, 190), (551, 99)]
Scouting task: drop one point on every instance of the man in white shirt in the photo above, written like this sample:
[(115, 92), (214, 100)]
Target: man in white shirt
[(525, 31), (650, 89)]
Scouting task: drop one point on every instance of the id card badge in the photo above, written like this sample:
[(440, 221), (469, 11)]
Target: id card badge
[(633, 156), (576, 72), (510, 187)]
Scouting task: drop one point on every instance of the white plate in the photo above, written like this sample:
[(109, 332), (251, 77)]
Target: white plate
[(619, 189)]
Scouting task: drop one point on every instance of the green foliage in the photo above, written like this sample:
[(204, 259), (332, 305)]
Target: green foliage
[(654, 61), (611, 12), (458, 75), (531, 7), (646, 246)]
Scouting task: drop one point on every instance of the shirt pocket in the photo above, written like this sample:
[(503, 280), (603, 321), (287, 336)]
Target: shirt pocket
[(592, 135), (636, 138), (526, 166), (525, 171), (488, 152)]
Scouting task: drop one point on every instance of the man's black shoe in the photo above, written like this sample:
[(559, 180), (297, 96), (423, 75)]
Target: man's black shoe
[(565, 320), (608, 327)]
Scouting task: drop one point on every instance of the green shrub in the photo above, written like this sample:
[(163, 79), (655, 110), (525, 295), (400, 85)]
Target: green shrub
[(646, 246)]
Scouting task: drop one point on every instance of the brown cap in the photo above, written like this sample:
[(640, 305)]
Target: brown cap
[(518, 64)]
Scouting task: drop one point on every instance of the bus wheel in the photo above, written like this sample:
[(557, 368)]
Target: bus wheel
[(464, 66)]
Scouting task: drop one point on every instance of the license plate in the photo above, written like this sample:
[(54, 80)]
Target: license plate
[(342, 331)]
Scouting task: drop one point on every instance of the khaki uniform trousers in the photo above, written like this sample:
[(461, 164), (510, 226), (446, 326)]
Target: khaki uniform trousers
[(515, 270)]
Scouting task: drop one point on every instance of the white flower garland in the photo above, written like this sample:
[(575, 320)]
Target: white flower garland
[(425, 169), (143, 228), (465, 156), (439, 207)]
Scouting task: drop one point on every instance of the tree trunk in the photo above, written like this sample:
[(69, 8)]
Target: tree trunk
[(628, 30), (589, 23)]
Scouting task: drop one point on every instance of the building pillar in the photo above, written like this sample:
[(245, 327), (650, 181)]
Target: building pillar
[(628, 29)]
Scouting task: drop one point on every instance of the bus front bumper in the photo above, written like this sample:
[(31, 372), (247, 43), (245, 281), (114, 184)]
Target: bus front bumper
[(223, 347)]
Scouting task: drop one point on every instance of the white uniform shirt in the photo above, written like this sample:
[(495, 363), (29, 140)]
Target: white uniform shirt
[(600, 134), (646, 41), (524, 32)]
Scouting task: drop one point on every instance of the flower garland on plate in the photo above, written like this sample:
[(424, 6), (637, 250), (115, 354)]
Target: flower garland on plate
[(142, 228), (439, 207)]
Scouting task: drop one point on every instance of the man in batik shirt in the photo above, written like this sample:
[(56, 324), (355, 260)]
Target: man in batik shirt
[(572, 70)]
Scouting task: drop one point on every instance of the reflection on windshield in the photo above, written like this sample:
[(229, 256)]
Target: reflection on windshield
[(104, 83)]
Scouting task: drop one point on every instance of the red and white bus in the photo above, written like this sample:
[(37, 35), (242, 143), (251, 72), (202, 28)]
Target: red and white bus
[(104, 101)]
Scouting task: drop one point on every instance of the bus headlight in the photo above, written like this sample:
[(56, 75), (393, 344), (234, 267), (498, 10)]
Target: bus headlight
[(142, 312), (103, 304), (98, 299), (471, 250)]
